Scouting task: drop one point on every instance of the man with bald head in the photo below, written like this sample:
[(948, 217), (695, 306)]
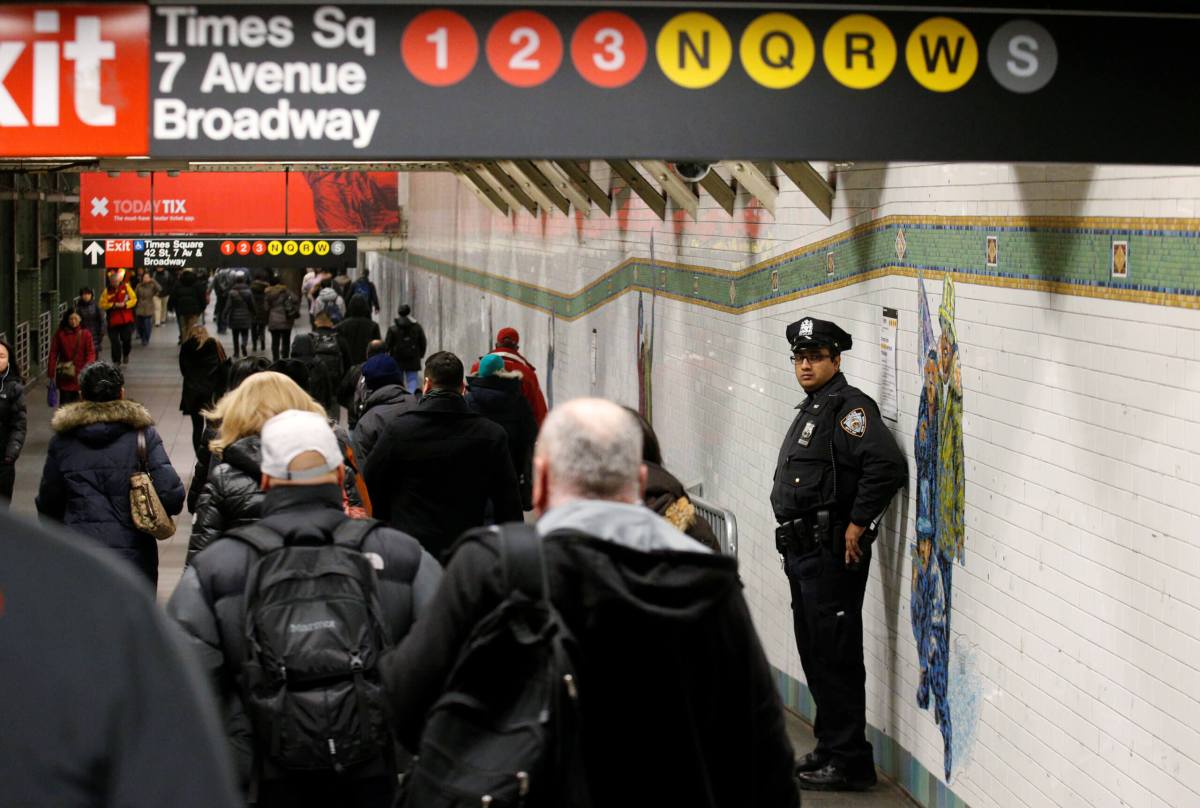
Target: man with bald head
[(675, 697)]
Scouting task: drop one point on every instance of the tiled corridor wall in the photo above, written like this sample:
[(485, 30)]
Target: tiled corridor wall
[(1075, 658)]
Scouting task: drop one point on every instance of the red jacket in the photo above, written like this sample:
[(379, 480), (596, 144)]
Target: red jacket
[(530, 388), (71, 345), (119, 304)]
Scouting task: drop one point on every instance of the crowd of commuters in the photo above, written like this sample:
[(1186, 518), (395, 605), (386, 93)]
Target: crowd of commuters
[(366, 603)]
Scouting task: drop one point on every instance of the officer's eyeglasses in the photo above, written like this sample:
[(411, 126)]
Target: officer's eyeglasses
[(812, 358)]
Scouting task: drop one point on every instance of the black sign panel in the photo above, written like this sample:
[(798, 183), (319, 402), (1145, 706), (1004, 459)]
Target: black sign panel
[(273, 252), (404, 82)]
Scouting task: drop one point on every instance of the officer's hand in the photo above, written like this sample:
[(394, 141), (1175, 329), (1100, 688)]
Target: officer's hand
[(853, 553)]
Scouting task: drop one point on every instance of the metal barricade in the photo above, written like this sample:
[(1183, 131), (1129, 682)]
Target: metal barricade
[(45, 330), (722, 521), (21, 349)]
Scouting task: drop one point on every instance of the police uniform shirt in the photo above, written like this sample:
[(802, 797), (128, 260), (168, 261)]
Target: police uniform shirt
[(838, 454)]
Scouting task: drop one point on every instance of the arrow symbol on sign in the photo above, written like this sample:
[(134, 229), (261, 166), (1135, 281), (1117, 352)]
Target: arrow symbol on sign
[(94, 251)]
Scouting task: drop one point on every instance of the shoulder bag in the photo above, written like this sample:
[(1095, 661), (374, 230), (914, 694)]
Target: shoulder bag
[(149, 515)]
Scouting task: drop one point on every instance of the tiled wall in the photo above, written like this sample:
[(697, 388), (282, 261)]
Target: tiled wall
[(1076, 619)]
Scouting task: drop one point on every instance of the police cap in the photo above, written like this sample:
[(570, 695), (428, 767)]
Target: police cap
[(812, 333)]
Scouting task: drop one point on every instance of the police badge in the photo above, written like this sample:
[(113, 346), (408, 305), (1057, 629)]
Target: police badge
[(855, 422), (806, 435)]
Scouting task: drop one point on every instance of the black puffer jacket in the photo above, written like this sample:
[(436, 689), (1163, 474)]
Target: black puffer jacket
[(208, 603), (381, 408), (231, 496), (85, 482), (358, 329), (12, 415), (239, 306), (498, 398), (189, 297)]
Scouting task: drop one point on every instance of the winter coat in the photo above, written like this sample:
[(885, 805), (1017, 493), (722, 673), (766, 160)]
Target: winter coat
[(166, 281), (239, 306), (119, 303), (382, 407), (231, 496), (12, 415), (530, 388), (676, 692), (93, 319), (329, 302), (101, 703), (189, 297), (208, 603), (258, 291), (666, 497), (70, 345), (321, 386), (435, 468), (205, 370), (498, 398), (146, 292), (358, 329), (85, 482), (406, 358), (277, 319)]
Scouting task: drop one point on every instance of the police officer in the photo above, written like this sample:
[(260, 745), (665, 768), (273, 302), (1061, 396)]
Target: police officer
[(837, 470)]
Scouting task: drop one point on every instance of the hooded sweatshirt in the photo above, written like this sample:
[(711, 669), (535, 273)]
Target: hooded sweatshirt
[(677, 702)]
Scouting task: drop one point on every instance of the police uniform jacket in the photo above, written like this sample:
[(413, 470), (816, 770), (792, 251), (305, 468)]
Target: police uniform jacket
[(840, 455)]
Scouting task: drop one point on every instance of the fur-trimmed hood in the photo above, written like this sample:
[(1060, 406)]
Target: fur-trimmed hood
[(87, 413)]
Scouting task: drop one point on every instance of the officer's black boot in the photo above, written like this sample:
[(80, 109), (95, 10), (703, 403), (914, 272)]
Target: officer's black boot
[(836, 777), (814, 760)]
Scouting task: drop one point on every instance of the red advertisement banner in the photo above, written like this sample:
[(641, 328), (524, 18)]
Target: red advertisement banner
[(74, 80), (345, 202)]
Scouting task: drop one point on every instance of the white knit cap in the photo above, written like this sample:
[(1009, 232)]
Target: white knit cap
[(291, 433)]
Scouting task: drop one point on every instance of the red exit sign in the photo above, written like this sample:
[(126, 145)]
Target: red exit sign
[(74, 80)]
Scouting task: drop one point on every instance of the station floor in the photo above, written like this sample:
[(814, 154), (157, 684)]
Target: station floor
[(152, 379)]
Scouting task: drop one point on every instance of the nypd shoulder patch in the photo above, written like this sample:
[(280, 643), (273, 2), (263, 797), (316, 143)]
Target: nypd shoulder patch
[(855, 422)]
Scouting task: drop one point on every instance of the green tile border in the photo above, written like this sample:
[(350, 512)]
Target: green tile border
[(1065, 256), (892, 759)]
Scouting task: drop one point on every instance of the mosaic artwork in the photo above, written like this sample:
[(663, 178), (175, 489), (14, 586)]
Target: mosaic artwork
[(938, 450)]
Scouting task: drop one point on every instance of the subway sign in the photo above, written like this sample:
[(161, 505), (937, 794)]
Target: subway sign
[(770, 81), (244, 251)]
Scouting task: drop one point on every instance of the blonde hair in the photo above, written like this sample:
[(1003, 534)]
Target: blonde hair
[(243, 410)]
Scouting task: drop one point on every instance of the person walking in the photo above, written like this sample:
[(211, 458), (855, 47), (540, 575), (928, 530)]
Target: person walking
[(507, 348), (221, 282), (333, 354), (94, 320), (239, 313), (663, 668), (204, 367), (258, 291), (283, 309), (101, 702), (162, 304), (438, 468), (71, 351), (407, 345), (358, 330), (189, 300), (119, 301), (147, 295), (12, 422), (837, 470), (495, 393), (339, 749), (329, 303), (363, 286), (93, 453), (231, 496), (385, 400)]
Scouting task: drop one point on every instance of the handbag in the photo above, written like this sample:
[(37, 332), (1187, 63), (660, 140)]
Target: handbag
[(149, 515)]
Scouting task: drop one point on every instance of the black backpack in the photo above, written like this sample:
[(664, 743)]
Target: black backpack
[(291, 306), (405, 344), (506, 731), (328, 353), (314, 634)]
